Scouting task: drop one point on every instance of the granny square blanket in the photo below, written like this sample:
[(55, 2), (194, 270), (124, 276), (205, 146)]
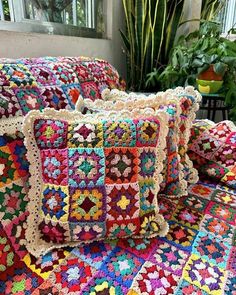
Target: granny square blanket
[(196, 257)]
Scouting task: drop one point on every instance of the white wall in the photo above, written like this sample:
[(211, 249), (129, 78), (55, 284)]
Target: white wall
[(15, 44)]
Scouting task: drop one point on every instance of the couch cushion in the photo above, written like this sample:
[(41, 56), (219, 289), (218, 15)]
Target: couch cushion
[(93, 176)]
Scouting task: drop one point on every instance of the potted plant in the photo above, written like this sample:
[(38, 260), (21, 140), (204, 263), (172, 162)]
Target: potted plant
[(201, 51)]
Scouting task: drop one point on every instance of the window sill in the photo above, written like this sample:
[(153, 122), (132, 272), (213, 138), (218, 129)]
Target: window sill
[(28, 26)]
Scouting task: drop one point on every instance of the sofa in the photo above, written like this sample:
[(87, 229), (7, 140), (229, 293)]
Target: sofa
[(198, 254)]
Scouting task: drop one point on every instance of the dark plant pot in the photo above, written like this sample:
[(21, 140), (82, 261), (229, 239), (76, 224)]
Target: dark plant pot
[(210, 75)]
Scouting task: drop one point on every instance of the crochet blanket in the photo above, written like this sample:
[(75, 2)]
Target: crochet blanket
[(198, 256)]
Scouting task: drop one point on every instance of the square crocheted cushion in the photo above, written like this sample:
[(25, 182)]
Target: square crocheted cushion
[(181, 105), (93, 176), (212, 148)]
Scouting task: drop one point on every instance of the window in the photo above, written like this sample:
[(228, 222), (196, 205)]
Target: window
[(228, 16), (63, 17)]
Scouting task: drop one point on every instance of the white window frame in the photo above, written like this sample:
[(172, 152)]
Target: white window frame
[(20, 23), (229, 17)]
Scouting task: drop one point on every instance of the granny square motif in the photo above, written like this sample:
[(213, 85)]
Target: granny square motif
[(213, 150), (93, 176), (180, 104)]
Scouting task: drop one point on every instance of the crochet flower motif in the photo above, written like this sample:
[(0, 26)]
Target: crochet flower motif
[(54, 203), (121, 133), (122, 202), (86, 167), (20, 285), (50, 133), (55, 168), (87, 205), (121, 165), (147, 163), (85, 135), (52, 232), (12, 201), (206, 276), (147, 132)]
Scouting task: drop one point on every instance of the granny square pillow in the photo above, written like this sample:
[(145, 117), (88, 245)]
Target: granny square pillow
[(213, 150), (181, 104), (93, 176)]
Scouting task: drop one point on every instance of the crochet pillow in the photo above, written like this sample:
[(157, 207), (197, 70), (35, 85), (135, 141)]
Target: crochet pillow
[(212, 148), (93, 178), (181, 104)]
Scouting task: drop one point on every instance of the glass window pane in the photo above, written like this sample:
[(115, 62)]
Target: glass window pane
[(4, 10)]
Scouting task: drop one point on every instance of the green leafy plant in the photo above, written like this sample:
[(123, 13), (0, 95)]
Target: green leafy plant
[(195, 53), (151, 31), (211, 8)]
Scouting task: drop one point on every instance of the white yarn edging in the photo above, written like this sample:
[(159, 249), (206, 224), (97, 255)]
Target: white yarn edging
[(11, 125), (35, 245)]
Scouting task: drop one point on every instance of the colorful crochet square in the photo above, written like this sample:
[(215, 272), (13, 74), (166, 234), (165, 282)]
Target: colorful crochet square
[(71, 275), (122, 266), (169, 257), (86, 167), (29, 99), (19, 279), (180, 108), (222, 212), (94, 253), (204, 275), (216, 145), (13, 201), (152, 279), (187, 217), (212, 249), (85, 135), (9, 105), (16, 75), (180, 236), (86, 190), (217, 227)]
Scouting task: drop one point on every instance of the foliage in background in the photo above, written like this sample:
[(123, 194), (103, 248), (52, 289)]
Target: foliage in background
[(151, 32), (211, 9), (194, 53)]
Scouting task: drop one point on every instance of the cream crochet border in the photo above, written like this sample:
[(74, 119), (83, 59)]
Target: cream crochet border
[(11, 125), (118, 100), (35, 245)]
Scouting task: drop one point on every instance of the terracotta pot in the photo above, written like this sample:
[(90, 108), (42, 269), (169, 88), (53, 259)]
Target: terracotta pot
[(210, 75)]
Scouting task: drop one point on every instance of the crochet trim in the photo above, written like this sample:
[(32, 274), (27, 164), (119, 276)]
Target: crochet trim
[(35, 245), (11, 125)]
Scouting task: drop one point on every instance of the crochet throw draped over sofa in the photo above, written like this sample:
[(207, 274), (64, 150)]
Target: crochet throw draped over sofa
[(108, 192)]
